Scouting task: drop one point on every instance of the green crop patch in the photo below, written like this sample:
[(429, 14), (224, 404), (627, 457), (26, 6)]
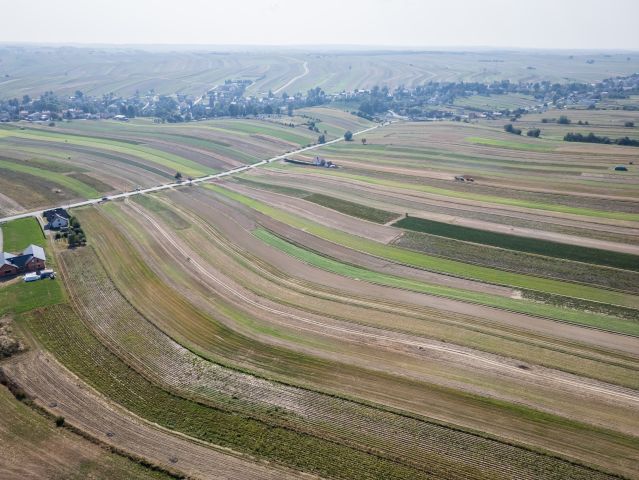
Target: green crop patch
[(523, 306), (523, 244), (170, 216), (351, 208), (492, 142), (290, 191), (72, 184), (19, 234)]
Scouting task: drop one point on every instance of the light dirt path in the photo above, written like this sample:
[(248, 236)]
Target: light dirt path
[(60, 392), (294, 79)]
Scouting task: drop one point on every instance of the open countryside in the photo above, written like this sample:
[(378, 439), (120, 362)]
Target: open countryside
[(298, 262)]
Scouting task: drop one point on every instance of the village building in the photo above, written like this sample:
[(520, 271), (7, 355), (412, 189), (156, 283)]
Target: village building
[(32, 259), (57, 218)]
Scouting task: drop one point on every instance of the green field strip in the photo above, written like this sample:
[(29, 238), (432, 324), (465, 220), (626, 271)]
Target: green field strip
[(19, 234), (346, 207), (362, 274), (72, 184), (431, 263), (492, 142), (253, 129), (475, 196), (522, 244), (174, 162), (205, 143)]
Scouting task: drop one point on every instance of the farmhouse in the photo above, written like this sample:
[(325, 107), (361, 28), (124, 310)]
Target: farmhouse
[(57, 218), (32, 259)]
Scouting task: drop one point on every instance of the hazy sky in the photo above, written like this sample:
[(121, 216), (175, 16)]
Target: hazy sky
[(571, 24)]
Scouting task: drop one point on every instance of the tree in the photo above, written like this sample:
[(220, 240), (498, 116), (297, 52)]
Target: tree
[(629, 124), (563, 120), (290, 109), (534, 132), (178, 176), (348, 136), (510, 129), (363, 141), (321, 139), (59, 421)]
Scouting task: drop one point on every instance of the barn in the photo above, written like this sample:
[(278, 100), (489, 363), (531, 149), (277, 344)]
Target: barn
[(32, 259)]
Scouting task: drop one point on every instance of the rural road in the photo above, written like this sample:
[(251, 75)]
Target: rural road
[(294, 79), (233, 171)]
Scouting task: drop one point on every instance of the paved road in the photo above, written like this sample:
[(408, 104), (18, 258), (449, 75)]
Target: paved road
[(233, 171)]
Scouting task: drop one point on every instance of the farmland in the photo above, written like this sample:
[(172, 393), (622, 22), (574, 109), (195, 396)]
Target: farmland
[(84, 159), (450, 301), (192, 72)]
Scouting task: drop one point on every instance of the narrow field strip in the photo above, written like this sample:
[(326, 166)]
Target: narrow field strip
[(76, 186), (358, 273), (491, 199), (461, 269), (522, 244)]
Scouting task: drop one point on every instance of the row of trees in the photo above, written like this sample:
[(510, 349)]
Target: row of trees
[(592, 138)]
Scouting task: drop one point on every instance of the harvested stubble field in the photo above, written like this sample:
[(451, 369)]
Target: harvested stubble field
[(33, 448), (378, 320)]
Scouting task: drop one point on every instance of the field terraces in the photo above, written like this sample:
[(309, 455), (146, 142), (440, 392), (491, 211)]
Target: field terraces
[(43, 166), (379, 320)]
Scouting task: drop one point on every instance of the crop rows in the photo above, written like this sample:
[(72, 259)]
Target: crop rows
[(435, 448), (520, 262), (522, 244)]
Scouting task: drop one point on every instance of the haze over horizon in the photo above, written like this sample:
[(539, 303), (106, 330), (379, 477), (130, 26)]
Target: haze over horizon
[(547, 24)]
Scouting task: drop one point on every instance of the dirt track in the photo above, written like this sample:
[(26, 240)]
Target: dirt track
[(60, 392)]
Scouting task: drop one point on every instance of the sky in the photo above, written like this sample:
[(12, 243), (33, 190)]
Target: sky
[(543, 24)]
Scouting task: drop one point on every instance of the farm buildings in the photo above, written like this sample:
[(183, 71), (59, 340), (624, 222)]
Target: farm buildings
[(31, 259)]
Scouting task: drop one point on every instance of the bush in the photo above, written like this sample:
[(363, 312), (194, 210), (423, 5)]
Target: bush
[(59, 421), (534, 132), (321, 139), (629, 124), (510, 129), (563, 120), (348, 136)]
